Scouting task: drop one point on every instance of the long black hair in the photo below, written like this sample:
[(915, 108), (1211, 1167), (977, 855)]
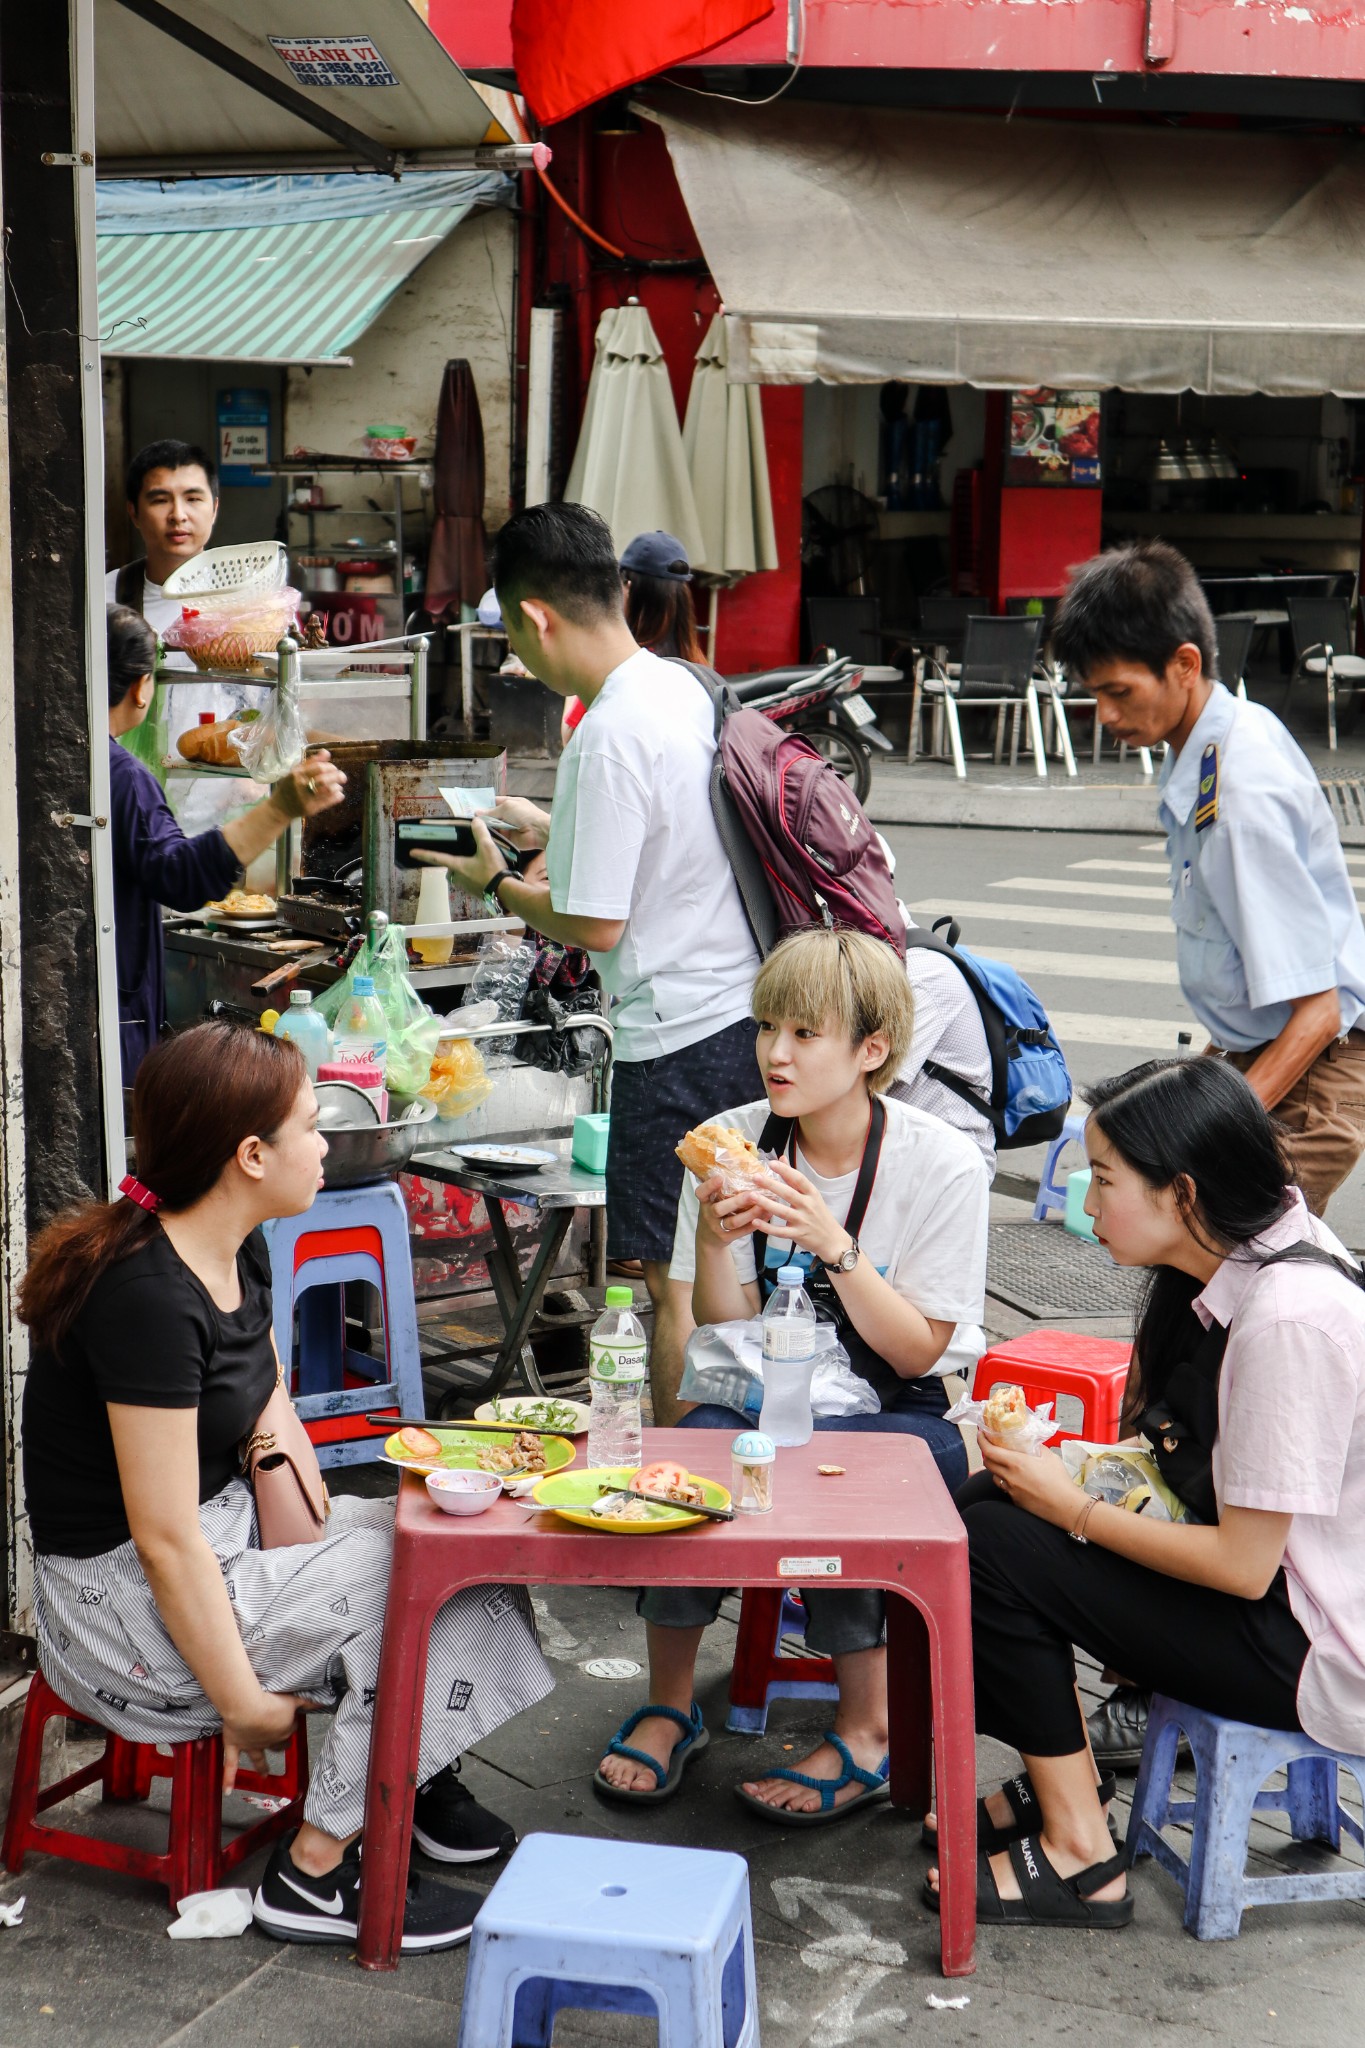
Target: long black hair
[(1195, 1126), (661, 615)]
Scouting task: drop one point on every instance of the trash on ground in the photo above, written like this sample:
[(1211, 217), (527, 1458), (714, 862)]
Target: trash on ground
[(937, 2004), (212, 1916), (12, 1916)]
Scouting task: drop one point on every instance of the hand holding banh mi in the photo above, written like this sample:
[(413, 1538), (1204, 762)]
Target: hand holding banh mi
[(1007, 1416), (719, 1148)]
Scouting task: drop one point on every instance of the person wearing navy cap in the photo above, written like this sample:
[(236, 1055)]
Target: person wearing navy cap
[(659, 610)]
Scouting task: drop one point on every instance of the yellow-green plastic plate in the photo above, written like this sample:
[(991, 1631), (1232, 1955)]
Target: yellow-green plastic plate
[(571, 1495), (460, 1449)]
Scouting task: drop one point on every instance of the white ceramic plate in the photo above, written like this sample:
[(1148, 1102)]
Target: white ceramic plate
[(518, 1411), (504, 1158)]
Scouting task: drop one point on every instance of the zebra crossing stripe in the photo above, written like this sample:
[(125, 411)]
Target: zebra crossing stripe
[(1075, 919), (1091, 1027), (1051, 885), (1095, 967)]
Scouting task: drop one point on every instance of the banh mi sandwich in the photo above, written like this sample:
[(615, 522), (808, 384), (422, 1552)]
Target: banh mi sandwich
[(1006, 1413), (718, 1148)]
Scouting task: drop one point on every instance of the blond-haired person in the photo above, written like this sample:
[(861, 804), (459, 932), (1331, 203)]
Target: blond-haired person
[(886, 1208)]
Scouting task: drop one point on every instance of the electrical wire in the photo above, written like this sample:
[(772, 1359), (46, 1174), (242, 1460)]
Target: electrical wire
[(736, 99)]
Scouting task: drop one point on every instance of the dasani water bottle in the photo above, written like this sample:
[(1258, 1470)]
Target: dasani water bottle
[(616, 1379)]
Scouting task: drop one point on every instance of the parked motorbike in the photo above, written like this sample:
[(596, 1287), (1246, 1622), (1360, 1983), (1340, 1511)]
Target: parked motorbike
[(826, 706)]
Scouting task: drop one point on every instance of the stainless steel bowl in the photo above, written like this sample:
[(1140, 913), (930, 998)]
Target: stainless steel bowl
[(379, 1151)]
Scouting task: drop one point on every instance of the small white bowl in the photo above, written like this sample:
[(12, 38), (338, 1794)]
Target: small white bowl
[(463, 1493)]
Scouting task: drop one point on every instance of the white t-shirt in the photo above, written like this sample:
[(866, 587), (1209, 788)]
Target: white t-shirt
[(632, 836), (949, 1031), (925, 1227)]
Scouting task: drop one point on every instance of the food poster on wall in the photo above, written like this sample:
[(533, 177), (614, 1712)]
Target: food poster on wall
[(1054, 438)]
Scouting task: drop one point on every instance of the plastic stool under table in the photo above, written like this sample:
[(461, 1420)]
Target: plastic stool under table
[(348, 1234), (607, 1926), (1232, 1762), (760, 1673), (1051, 1186)]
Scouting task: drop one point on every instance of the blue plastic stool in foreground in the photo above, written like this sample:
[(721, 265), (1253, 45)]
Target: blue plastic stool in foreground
[(613, 1927), (1051, 1186), (348, 1234), (1232, 1763)]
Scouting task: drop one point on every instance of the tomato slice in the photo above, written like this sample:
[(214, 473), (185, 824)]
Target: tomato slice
[(659, 1477)]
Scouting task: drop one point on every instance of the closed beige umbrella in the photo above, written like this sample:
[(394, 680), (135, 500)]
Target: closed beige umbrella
[(727, 457), (629, 464)]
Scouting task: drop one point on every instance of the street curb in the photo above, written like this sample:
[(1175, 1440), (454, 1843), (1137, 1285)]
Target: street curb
[(1011, 808)]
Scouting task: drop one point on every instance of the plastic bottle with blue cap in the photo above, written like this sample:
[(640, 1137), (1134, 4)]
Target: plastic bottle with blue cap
[(788, 1360)]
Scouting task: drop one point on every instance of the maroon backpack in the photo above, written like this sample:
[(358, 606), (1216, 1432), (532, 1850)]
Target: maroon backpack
[(801, 845)]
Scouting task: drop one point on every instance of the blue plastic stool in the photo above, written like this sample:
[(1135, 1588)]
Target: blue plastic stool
[(348, 1234), (1051, 1189), (605, 1926), (1232, 1763)]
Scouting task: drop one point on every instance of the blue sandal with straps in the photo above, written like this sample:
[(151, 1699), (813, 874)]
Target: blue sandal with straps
[(876, 1787), (694, 1741)]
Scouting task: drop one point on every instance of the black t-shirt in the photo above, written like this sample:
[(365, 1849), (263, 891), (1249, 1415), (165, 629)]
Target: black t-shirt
[(149, 1336)]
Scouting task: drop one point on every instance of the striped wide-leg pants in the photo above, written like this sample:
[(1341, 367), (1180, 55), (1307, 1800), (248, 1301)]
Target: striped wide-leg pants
[(311, 1618)]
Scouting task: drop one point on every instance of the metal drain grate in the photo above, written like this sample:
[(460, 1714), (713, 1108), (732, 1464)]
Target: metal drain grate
[(1346, 798), (1042, 1271)]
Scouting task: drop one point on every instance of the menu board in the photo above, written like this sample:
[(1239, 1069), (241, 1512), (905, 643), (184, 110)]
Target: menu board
[(1054, 438)]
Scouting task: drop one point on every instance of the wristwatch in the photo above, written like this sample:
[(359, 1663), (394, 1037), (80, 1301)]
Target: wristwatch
[(846, 1260), (496, 882)]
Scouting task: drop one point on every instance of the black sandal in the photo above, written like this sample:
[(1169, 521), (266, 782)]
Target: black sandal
[(992, 1836), (1048, 1899)]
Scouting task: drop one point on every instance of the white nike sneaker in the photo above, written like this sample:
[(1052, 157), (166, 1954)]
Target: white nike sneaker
[(292, 1906)]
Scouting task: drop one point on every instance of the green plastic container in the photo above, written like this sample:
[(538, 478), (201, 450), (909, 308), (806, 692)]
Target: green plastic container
[(590, 1141), (1077, 1188)]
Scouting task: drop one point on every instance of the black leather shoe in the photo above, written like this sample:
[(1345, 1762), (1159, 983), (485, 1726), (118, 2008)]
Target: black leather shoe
[(1118, 1728)]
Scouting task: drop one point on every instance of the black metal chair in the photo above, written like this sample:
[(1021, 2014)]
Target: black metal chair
[(996, 672), (941, 632), (1324, 646), (1235, 631)]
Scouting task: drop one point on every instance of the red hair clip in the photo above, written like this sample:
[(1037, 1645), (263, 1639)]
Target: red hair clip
[(135, 1192)]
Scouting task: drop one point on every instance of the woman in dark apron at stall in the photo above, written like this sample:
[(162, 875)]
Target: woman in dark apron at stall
[(885, 1208)]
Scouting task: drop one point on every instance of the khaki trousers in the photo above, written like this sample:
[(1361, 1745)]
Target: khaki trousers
[(1323, 1116)]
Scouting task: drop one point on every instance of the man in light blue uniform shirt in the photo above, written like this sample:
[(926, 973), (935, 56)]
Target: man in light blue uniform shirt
[(1269, 938), (1270, 945)]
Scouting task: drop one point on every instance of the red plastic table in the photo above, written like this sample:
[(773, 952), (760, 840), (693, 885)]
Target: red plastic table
[(887, 1522)]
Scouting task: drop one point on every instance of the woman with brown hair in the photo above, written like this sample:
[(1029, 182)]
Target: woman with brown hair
[(158, 1614)]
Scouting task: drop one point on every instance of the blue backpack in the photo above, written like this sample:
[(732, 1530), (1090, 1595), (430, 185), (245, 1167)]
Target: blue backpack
[(1030, 1085)]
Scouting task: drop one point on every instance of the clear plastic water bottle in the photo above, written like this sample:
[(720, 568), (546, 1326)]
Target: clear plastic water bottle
[(360, 1036), (788, 1360), (308, 1030), (617, 1354)]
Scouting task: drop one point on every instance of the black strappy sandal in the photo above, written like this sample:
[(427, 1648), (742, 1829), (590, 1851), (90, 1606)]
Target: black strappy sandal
[(1048, 1899), (992, 1836)]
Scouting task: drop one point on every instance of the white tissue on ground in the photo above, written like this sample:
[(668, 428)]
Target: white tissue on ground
[(212, 1916), (12, 1916)]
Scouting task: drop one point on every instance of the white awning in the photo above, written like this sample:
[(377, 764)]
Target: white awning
[(853, 245), (162, 105)]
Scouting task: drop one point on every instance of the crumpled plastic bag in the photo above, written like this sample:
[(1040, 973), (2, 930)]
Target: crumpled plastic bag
[(723, 1362), (458, 1081), (273, 744), (1125, 1475), (414, 1033), (502, 978), (1031, 1437), (212, 1916)]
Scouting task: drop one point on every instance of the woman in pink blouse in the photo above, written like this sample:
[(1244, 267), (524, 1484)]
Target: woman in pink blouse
[(1248, 1381)]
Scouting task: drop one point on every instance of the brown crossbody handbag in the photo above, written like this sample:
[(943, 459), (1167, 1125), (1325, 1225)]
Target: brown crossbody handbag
[(281, 1466)]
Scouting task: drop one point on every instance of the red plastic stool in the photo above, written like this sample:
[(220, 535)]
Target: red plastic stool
[(1083, 1377), (760, 1672), (196, 1859)]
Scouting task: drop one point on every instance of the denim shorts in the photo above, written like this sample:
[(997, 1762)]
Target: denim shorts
[(654, 1103)]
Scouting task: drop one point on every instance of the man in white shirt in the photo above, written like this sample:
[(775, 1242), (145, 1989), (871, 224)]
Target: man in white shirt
[(172, 492), (637, 876)]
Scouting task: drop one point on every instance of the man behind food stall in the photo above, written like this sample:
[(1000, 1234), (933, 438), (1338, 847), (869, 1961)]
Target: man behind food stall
[(155, 863)]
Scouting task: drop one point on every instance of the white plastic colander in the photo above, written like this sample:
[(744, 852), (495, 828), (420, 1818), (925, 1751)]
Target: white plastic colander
[(255, 565)]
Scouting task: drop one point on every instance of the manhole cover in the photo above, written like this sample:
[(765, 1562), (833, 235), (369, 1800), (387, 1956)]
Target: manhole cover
[(610, 1667), (1043, 1270)]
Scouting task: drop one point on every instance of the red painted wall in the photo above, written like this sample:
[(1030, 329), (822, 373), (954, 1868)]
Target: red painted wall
[(624, 186), (1274, 38)]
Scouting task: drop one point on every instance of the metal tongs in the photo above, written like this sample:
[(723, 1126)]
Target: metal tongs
[(661, 1500)]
